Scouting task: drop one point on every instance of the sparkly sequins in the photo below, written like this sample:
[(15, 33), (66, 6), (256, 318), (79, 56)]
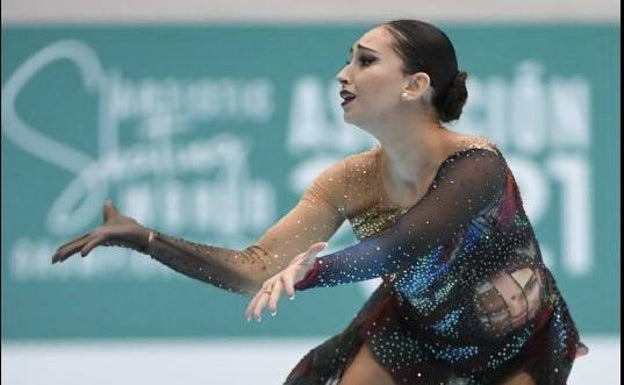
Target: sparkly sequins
[(469, 290), (465, 292)]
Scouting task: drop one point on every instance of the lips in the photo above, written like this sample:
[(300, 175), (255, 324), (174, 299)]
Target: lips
[(347, 97)]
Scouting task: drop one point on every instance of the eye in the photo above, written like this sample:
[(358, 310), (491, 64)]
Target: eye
[(366, 60), (363, 60)]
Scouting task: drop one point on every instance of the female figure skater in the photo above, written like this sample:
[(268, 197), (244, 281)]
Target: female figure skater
[(465, 298)]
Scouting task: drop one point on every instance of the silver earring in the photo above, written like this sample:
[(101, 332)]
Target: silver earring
[(405, 95)]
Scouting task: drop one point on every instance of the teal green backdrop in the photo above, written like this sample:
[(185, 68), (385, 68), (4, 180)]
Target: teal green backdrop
[(212, 132)]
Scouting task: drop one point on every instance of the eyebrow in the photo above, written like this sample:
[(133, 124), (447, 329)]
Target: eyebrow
[(360, 46)]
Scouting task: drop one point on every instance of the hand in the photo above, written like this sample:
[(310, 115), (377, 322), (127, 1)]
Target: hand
[(117, 230), (285, 281)]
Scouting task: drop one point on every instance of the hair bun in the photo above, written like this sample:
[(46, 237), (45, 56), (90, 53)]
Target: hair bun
[(451, 102)]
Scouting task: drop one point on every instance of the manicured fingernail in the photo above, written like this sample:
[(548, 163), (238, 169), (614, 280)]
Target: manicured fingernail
[(273, 313), (291, 298), (259, 319), (248, 319)]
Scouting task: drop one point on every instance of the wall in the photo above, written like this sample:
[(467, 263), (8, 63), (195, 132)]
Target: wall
[(318, 11)]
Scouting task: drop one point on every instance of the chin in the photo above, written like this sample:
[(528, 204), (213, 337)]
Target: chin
[(348, 118)]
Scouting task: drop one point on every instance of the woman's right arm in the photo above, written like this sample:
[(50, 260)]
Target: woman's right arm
[(315, 218)]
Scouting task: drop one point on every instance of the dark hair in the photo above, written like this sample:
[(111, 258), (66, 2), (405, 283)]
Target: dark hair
[(425, 48)]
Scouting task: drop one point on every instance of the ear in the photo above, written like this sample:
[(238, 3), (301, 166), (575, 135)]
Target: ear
[(416, 86)]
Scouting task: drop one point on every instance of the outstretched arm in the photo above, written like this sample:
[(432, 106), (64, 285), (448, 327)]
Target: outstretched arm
[(315, 218), (467, 183)]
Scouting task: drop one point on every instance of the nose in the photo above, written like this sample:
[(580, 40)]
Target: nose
[(341, 76)]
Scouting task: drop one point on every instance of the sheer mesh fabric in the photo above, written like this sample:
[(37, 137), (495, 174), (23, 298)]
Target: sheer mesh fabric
[(465, 298), (315, 218), (467, 183)]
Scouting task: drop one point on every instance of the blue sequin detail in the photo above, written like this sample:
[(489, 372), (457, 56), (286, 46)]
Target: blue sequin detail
[(448, 325)]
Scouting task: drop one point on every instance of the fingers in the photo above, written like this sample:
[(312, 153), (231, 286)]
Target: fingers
[(86, 242), (272, 289), (70, 248), (249, 312), (276, 293), (288, 281), (252, 303), (268, 295), (109, 210), (259, 302), (93, 242), (298, 264)]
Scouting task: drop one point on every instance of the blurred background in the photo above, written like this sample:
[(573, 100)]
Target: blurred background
[(207, 119)]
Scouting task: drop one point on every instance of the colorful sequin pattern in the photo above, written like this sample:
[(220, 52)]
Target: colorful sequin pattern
[(466, 297)]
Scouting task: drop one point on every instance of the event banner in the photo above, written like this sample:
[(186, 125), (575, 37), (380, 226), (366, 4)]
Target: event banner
[(212, 133)]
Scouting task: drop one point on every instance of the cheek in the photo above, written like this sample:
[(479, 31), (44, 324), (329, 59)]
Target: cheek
[(383, 94), (379, 81)]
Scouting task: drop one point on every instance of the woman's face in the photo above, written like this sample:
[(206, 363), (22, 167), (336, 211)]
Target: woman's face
[(373, 80)]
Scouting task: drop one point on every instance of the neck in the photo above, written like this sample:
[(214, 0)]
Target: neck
[(411, 152)]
